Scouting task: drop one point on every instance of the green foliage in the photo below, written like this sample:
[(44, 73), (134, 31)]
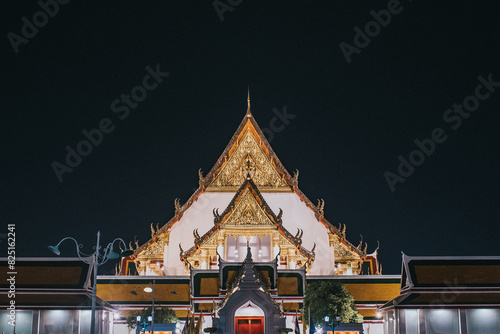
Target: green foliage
[(163, 315), (330, 298)]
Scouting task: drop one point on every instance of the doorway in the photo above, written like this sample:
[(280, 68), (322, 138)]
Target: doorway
[(249, 325)]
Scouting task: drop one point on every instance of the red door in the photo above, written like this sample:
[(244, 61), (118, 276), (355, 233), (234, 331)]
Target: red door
[(249, 325)]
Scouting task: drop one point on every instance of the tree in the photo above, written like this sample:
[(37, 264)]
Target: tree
[(329, 298), (163, 315)]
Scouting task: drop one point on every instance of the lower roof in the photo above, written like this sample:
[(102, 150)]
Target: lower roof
[(452, 299), (54, 300)]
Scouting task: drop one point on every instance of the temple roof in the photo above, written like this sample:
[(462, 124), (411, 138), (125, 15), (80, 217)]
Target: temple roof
[(248, 207), (248, 278), (249, 151), (444, 272), (448, 282)]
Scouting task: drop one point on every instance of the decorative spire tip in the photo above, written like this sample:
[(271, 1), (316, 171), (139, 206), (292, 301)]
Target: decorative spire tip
[(249, 113)]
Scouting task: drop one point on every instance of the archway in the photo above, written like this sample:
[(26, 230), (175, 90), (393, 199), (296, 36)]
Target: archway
[(249, 319)]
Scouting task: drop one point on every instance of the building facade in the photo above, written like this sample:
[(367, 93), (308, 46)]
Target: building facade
[(452, 295), (247, 200), (51, 296)]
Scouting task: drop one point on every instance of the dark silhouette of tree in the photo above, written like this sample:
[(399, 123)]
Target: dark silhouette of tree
[(329, 298), (163, 315)]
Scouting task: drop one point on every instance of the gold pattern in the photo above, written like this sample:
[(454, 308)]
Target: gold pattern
[(345, 258), (247, 217), (295, 178), (321, 207), (248, 212), (177, 205), (153, 253), (248, 157)]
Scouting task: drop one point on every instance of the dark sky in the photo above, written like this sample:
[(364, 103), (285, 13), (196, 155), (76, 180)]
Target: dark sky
[(352, 120)]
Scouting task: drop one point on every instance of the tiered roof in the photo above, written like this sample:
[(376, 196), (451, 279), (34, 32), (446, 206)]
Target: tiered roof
[(269, 175), (263, 215)]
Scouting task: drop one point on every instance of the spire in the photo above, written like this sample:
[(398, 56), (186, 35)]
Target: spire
[(249, 113), (248, 258), (248, 277)]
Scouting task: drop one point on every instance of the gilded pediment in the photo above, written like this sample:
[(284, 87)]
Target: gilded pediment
[(156, 249), (248, 156), (248, 211), (342, 252)]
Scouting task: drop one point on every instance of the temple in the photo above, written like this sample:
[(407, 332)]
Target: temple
[(249, 196), (248, 212)]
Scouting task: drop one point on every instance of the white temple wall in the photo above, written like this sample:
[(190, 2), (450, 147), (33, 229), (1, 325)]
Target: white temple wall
[(198, 216), (295, 215)]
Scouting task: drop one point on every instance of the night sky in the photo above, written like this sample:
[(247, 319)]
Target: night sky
[(352, 119)]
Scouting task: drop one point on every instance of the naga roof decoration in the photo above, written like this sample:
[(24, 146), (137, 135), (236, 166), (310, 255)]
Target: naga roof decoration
[(249, 152)]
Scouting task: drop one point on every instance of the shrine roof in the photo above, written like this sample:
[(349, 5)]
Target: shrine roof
[(229, 173), (220, 220), (445, 272)]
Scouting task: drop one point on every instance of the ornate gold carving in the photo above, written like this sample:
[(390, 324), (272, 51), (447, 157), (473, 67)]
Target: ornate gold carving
[(217, 216), (248, 212), (156, 249), (181, 251), (341, 251), (153, 231), (342, 230), (295, 178), (298, 237), (200, 177), (154, 252), (248, 157), (136, 241), (321, 207), (197, 238), (177, 205), (360, 242)]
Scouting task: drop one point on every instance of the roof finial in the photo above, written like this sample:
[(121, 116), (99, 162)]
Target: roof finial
[(249, 113)]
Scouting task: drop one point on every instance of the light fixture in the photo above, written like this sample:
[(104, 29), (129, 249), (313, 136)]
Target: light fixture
[(149, 289), (127, 252), (55, 250), (138, 318), (100, 256), (378, 315), (327, 318), (113, 255)]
